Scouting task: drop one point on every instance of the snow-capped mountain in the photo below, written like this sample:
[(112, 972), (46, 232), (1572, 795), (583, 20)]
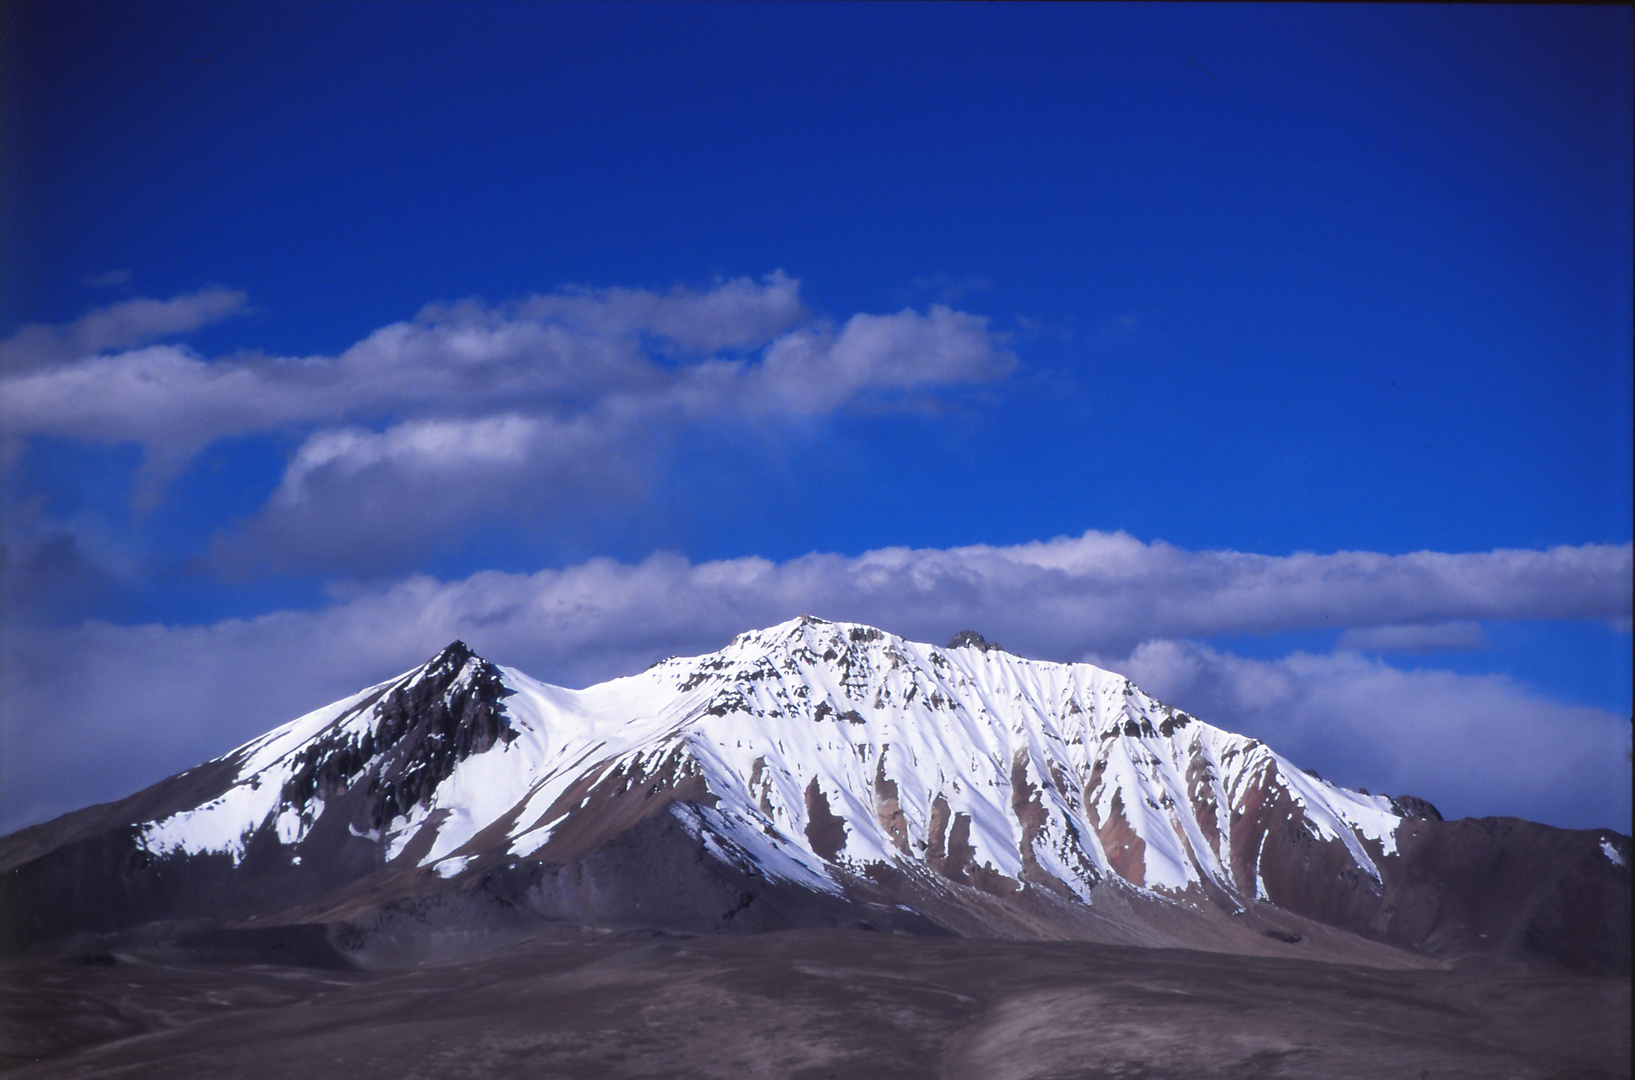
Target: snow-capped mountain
[(822, 746), (828, 772)]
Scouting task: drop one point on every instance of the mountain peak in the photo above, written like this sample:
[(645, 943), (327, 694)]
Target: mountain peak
[(973, 639), (808, 630), (455, 655)]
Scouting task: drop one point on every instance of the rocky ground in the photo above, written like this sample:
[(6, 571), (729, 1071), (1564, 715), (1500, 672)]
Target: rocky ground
[(797, 1005)]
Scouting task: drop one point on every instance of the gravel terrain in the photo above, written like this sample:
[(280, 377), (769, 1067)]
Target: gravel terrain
[(802, 1005)]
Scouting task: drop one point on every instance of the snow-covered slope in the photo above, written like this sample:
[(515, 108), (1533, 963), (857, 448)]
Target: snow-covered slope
[(807, 751)]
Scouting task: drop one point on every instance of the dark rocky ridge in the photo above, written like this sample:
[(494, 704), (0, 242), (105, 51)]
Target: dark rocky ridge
[(87, 872), (972, 639), (423, 728), (1412, 806)]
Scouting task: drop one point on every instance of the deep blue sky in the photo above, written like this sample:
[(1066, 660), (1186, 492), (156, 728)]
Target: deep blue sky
[(1275, 278)]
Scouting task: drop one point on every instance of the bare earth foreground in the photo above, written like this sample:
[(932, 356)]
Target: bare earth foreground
[(803, 1005)]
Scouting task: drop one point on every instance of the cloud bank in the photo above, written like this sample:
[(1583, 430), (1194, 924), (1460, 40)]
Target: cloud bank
[(141, 701)]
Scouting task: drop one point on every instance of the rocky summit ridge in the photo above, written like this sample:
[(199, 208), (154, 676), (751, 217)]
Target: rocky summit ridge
[(813, 774)]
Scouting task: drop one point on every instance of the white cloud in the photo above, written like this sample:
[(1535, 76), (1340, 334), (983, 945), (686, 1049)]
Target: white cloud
[(617, 371), (581, 415), (816, 370), (442, 446), (517, 410), (118, 326), (163, 396), (735, 314), (552, 354), (361, 500), (140, 702)]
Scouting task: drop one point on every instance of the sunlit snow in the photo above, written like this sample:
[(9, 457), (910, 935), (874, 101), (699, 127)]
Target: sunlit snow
[(1612, 853)]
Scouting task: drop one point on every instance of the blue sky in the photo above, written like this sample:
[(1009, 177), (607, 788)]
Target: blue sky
[(1278, 356)]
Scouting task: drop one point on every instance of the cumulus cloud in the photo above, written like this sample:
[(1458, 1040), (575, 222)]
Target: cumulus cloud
[(454, 446), (148, 700), (817, 369), (361, 499), (118, 326)]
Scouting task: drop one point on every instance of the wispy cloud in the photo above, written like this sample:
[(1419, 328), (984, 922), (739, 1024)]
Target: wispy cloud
[(606, 371), (948, 289), (123, 325), (113, 690), (735, 314), (111, 279), (1420, 638)]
